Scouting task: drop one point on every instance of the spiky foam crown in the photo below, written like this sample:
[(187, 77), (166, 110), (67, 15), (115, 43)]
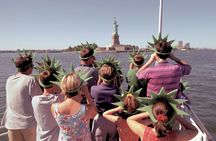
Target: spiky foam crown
[(132, 54), (165, 97), (160, 39), (84, 77), (91, 47), (128, 93), (110, 60), (24, 53), (48, 64)]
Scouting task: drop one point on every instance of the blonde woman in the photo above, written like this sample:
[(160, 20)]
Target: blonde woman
[(72, 116)]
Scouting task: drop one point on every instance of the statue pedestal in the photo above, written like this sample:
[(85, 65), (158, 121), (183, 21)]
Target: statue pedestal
[(115, 40)]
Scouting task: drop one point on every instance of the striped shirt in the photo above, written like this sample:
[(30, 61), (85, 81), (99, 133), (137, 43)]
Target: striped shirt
[(164, 75)]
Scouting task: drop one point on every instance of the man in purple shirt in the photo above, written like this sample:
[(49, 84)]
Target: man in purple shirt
[(164, 74), (103, 97)]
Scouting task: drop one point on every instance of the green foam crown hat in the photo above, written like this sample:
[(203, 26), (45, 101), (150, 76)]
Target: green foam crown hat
[(24, 53), (112, 61), (82, 74), (157, 40), (50, 64), (125, 94), (27, 53), (132, 54), (165, 97), (28, 62), (92, 47)]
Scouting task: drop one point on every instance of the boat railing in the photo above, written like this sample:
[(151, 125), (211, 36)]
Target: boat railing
[(3, 134), (203, 133)]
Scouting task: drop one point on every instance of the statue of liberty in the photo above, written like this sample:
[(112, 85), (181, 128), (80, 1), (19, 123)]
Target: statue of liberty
[(115, 27)]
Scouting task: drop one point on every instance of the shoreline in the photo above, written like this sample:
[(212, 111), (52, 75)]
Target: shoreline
[(63, 51)]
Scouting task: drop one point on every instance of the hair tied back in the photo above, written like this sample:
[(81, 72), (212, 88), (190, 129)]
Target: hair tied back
[(162, 118)]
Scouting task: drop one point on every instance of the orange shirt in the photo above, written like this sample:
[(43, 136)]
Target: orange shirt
[(149, 135), (125, 133)]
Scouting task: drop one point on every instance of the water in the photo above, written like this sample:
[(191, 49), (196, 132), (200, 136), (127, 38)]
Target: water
[(201, 80)]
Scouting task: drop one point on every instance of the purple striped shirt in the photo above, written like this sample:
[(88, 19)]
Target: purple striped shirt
[(164, 75)]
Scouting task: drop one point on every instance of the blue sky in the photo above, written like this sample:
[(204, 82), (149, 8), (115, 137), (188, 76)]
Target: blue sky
[(57, 24)]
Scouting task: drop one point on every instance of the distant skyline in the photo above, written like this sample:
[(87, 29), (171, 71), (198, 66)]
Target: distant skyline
[(55, 24)]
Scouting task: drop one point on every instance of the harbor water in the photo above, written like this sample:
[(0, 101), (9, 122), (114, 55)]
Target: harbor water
[(202, 79)]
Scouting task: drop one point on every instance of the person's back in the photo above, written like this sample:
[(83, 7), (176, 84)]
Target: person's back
[(163, 112), (103, 93), (71, 116), (136, 61), (174, 135), (87, 62), (137, 84), (125, 133), (91, 72), (150, 135), (118, 115), (47, 128), (164, 74), (103, 96), (20, 88), (73, 127), (161, 133)]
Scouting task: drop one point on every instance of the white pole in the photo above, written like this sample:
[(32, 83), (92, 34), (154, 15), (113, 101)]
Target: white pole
[(160, 17)]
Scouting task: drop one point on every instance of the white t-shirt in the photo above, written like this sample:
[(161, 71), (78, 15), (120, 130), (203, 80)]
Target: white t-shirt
[(47, 128), (19, 92)]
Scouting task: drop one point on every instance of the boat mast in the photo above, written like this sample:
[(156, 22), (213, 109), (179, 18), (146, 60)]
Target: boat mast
[(160, 17)]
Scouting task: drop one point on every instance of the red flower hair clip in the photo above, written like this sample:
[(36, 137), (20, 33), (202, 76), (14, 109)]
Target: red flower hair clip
[(162, 118)]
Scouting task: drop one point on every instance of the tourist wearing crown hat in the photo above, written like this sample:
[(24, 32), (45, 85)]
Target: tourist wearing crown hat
[(47, 128), (20, 88), (162, 110), (136, 60), (103, 96), (87, 62), (129, 102), (71, 115), (164, 74)]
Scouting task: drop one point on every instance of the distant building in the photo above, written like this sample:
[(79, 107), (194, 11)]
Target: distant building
[(115, 45), (181, 46), (187, 46)]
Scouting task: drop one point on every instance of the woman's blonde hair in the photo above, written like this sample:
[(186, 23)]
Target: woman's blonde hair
[(70, 84)]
